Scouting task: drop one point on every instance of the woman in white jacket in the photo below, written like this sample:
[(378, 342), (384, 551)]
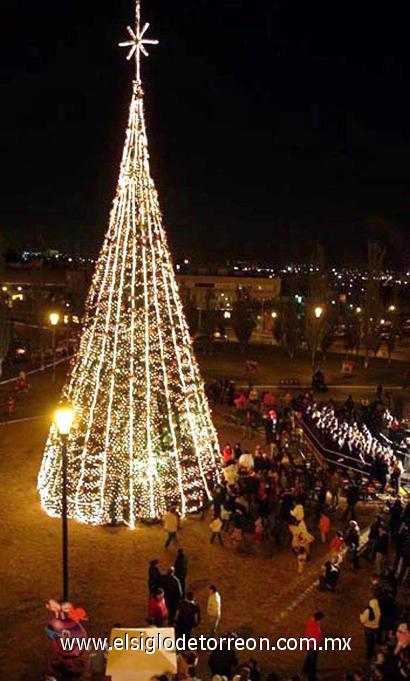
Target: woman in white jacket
[(214, 608), (370, 618)]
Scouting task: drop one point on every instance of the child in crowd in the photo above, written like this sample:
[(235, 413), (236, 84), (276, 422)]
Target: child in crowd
[(216, 528), (324, 527), (301, 557), (337, 545)]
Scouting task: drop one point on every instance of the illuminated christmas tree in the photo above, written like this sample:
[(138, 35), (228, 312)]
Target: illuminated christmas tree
[(142, 437)]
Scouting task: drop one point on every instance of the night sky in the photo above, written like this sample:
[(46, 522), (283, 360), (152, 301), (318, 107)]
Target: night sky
[(271, 124)]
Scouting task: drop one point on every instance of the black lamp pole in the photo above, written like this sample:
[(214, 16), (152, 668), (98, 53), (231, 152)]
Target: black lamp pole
[(54, 354), (64, 518)]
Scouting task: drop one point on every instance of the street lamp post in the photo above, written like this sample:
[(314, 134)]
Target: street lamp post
[(318, 311), (64, 419), (54, 319)]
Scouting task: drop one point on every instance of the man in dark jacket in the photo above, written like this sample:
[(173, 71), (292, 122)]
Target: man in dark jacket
[(381, 549), (188, 616), (181, 568), (222, 660), (154, 576), (373, 535), (352, 497), (172, 592)]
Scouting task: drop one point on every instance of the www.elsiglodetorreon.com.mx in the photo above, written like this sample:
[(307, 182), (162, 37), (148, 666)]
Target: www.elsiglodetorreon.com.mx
[(158, 641)]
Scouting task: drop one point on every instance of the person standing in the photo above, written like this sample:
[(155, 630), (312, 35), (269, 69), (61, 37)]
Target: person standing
[(337, 546), (270, 431), (314, 635), (216, 528), (157, 608), (381, 549), (227, 453), (324, 527), (321, 500), (171, 521), (352, 497), (154, 576), (181, 568), (370, 619), (214, 608), (188, 617), (301, 557), (335, 485), (352, 538), (373, 536), (395, 477), (173, 593)]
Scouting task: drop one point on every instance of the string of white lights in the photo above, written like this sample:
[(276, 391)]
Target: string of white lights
[(142, 436)]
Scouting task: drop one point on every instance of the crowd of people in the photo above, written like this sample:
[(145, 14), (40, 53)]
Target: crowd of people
[(274, 496), (342, 429)]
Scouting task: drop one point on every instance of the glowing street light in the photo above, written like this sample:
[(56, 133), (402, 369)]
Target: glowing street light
[(318, 311), (227, 314), (274, 315), (382, 321), (63, 418), (358, 310), (392, 308), (54, 319)]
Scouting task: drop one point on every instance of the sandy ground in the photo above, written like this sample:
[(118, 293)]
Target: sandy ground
[(108, 568)]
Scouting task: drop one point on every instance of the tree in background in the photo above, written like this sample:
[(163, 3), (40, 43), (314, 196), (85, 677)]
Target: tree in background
[(244, 317), (391, 333), (372, 305), (287, 327), (351, 339), (5, 333), (319, 317)]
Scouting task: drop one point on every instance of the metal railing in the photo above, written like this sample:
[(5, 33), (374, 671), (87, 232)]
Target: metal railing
[(335, 456)]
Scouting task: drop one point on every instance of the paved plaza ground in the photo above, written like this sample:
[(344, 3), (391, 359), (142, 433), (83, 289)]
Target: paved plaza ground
[(261, 596)]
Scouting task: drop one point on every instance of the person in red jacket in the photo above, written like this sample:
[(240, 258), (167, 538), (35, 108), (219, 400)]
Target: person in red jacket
[(324, 527), (157, 608), (337, 546), (227, 453), (314, 634)]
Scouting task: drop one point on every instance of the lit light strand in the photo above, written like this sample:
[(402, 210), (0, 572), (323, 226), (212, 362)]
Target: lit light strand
[(143, 436)]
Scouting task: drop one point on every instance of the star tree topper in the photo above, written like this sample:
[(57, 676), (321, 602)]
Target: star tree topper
[(138, 42)]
